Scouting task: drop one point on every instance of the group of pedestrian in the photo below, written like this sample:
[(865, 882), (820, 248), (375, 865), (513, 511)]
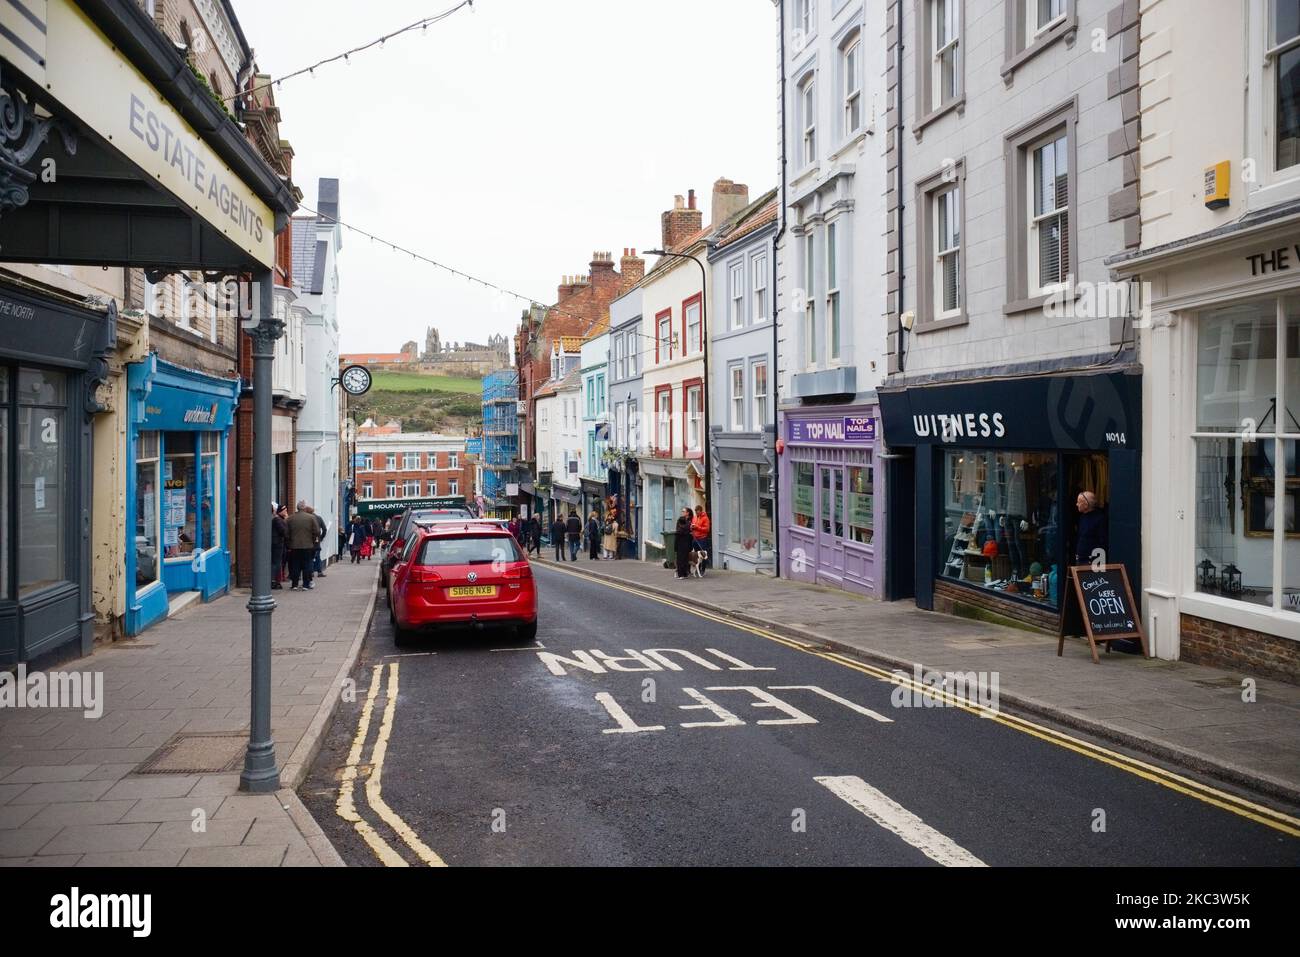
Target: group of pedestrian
[(692, 539), (528, 533), (364, 535), (296, 546), (600, 538)]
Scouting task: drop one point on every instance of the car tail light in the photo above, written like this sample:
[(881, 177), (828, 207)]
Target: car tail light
[(518, 571), (423, 575)]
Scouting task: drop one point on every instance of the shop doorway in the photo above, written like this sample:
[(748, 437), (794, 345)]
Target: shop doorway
[(830, 525), (1087, 472)]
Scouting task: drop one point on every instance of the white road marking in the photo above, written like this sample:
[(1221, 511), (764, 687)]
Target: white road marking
[(836, 698), (625, 723), (411, 654), (533, 647), (729, 720), (892, 816), (766, 700), (739, 665), (660, 655)]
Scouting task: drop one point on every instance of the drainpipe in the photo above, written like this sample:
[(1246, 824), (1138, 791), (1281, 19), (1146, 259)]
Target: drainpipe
[(776, 354), (902, 203)]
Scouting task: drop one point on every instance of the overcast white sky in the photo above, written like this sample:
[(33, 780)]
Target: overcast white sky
[(513, 139)]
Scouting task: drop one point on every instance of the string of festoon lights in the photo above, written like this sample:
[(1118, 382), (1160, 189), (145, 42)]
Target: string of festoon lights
[(469, 277), (347, 54)]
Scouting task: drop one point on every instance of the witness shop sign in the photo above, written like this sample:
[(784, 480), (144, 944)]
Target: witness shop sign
[(849, 429)]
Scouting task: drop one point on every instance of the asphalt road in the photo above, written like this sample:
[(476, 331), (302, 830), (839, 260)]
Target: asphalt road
[(488, 756)]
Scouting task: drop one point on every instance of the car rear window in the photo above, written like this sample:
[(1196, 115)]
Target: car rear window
[(469, 550)]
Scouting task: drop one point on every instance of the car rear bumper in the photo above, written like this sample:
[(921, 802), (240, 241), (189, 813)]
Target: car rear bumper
[(422, 611)]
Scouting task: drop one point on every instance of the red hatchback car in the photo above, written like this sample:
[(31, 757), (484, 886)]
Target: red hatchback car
[(449, 574)]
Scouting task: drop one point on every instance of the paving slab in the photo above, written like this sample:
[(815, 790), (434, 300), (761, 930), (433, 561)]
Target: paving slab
[(68, 788)]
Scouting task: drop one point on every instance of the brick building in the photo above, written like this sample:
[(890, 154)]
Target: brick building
[(581, 306), (411, 465)]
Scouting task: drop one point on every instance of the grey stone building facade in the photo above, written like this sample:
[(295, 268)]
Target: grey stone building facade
[(1013, 381)]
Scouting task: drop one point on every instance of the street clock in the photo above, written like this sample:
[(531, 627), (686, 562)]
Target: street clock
[(356, 380)]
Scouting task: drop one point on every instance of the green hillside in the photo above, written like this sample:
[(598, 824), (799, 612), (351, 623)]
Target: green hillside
[(422, 403), (411, 382)]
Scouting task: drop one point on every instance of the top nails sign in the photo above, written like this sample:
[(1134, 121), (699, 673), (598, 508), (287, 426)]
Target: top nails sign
[(849, 429)]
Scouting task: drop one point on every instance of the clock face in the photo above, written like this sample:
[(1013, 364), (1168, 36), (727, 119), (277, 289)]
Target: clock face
[(356, 380)]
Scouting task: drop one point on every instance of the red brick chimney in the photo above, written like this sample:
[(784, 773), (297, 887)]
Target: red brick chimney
[(728, 199), (681, 221), (632, 268), (603, 275)]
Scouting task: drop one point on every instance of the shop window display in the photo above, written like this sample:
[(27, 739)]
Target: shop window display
[(42, 479), (180, 495), (1247, 439), (210, 448), (146, 510), (749, 525), (1002, 522), (861, 505), (801, 502)]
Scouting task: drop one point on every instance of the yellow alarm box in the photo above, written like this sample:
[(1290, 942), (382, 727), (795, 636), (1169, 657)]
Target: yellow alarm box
[(1216, 185)]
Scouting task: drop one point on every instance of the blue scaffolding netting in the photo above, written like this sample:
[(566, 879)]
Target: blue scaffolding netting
[(500, 430)]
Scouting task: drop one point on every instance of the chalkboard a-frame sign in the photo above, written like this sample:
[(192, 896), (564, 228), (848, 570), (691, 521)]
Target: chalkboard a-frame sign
[(1101, 607)]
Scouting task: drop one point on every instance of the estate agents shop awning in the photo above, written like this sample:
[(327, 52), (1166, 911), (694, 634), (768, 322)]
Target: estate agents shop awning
[(119, 155)]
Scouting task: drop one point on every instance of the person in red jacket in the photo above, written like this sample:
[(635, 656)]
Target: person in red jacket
[(701, 528)]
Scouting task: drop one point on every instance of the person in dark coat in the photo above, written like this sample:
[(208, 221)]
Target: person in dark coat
[(535, 535), (279, 537), (1092, 529), (358, 532), (557, 538), (573, 531), (683, 544), (593, 536), (304, 536)]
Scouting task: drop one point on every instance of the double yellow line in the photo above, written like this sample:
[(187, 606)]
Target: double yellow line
[(1150, 772), (346, 807)]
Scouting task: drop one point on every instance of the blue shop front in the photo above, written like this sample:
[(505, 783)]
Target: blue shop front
[(176, 487)]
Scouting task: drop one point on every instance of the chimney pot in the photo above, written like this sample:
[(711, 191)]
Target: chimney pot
[(691, 200)]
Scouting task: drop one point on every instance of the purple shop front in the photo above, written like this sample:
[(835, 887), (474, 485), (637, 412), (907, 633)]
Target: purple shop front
[(832, 498)]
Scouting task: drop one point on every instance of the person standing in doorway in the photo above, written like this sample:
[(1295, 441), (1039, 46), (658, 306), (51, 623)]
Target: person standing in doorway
[(557, 537), (1092, 529), (593, 537), (279, 537), (682, 544), (304, 534), (573, 531)]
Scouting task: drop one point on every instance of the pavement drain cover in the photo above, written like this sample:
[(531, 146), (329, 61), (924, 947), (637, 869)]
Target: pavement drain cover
[(197, 752), (289, 651)]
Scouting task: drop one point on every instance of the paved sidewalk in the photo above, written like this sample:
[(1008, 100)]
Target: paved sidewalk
[(69, 794), (1188, 714)]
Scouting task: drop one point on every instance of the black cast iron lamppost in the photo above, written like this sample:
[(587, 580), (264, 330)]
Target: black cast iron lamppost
[(704, 398), (260, 773)]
